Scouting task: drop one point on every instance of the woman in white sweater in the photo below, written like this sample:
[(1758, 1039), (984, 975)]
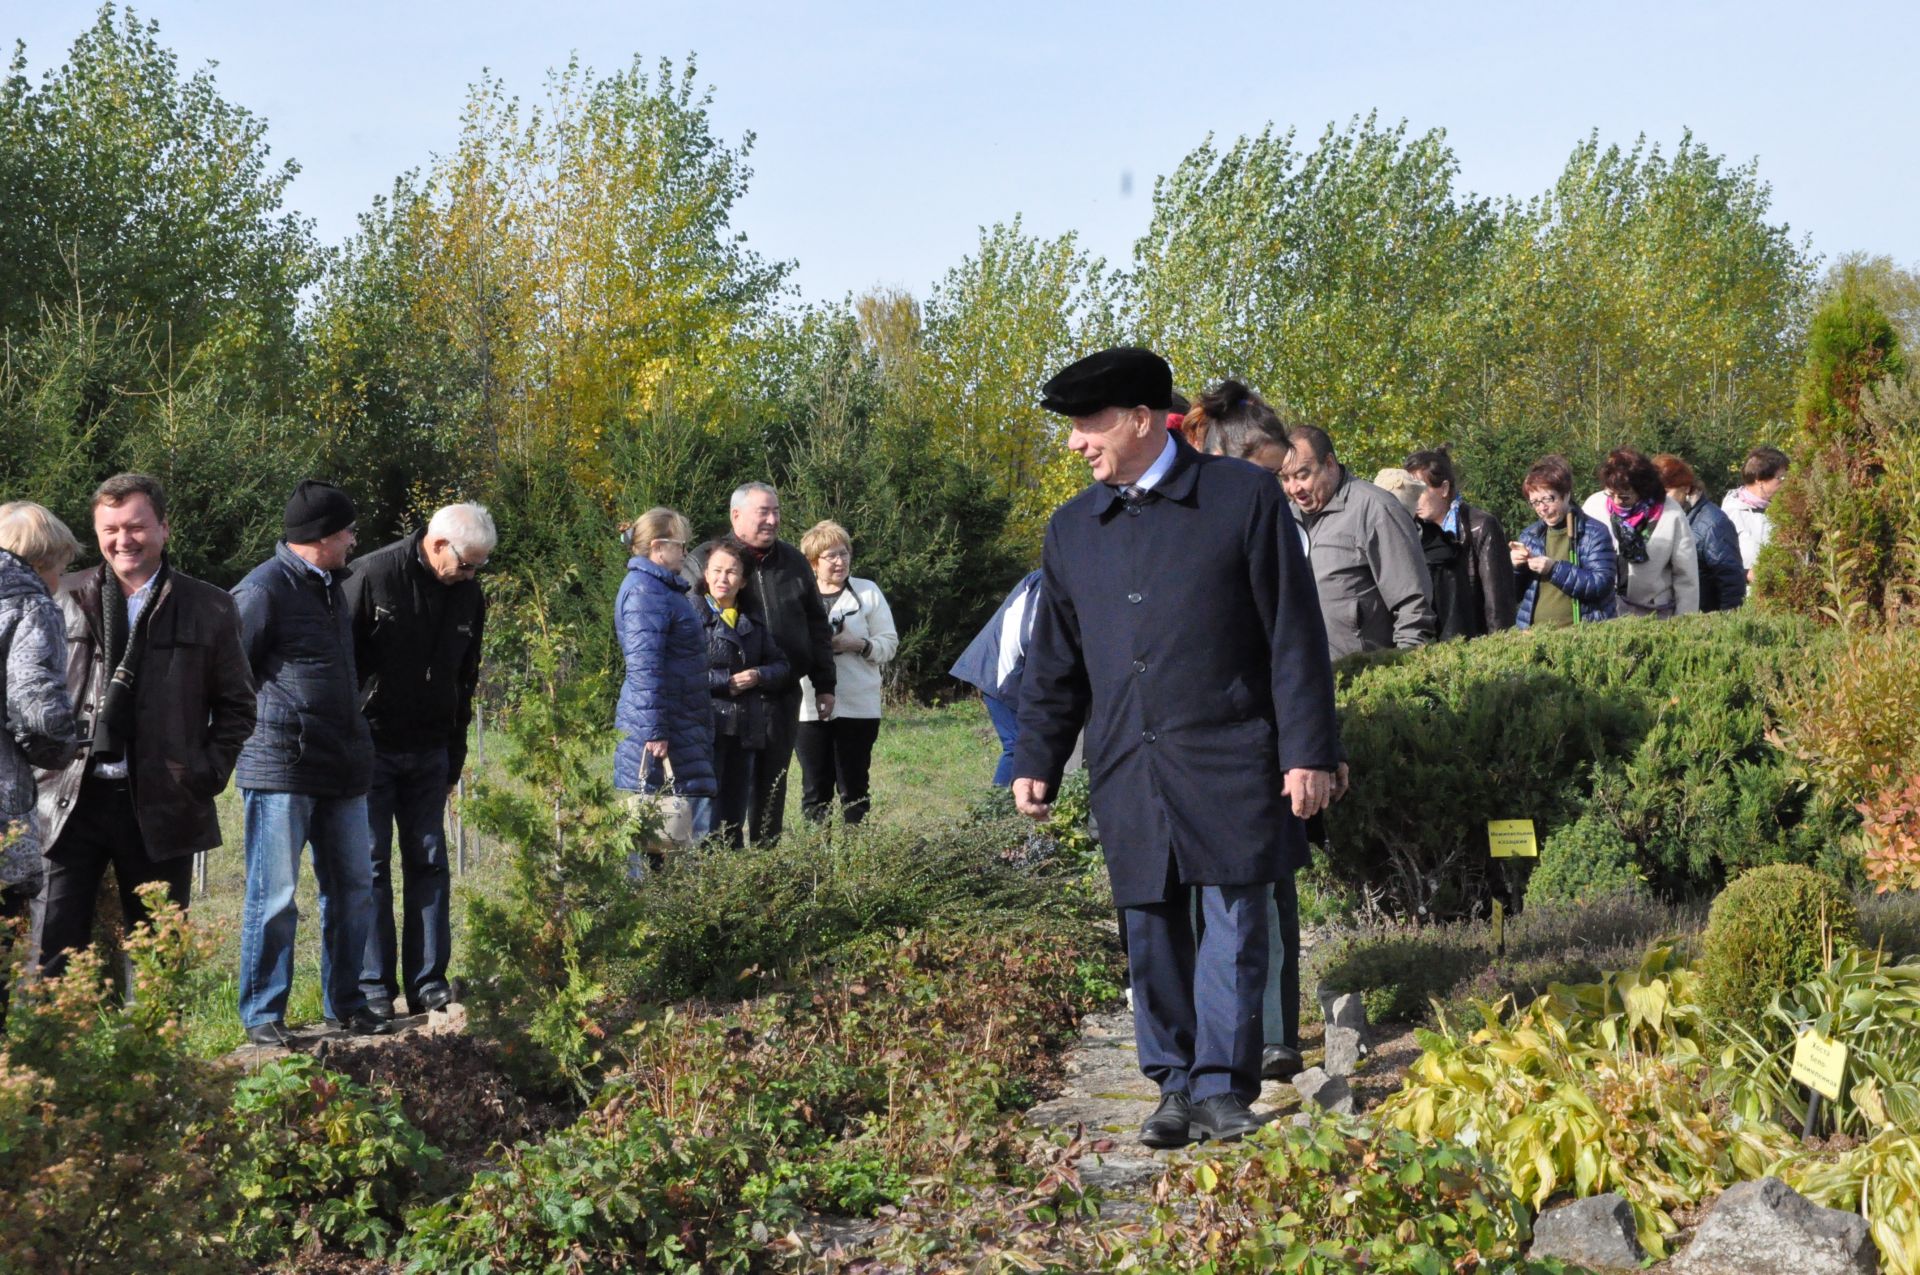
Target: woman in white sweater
[(836, 754), (1657, 565)]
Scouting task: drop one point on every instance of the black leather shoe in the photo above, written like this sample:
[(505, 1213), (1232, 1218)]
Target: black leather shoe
[(431, 999), (1279, 1062), (1167, 1126), (1221, 1118), (273, 1035), (365, 1021)]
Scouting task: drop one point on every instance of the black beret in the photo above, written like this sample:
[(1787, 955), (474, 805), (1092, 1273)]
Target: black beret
[(315, 511), (1125, 376)]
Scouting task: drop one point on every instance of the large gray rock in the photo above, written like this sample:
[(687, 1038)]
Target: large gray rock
[(1768, 1228), (1330, 1092), (1596, 1233), (1346, 1042)]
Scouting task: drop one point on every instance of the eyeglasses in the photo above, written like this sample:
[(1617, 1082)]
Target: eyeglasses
[(461, 564), (1545, 499)]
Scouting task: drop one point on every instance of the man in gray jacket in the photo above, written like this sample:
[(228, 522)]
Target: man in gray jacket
[(1375, 590)]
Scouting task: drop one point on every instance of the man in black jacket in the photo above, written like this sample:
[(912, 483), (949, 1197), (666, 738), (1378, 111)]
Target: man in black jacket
[(304, 773), (789, 599), (418, 616)]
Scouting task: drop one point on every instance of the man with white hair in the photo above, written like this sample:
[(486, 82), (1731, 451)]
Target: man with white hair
[(418, 614), (790, 605)]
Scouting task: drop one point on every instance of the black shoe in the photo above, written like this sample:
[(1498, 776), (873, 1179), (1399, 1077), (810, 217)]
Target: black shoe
[(1221, 1118), (1281, 1062), (1167, 1126), (365, 1021), (431, 999), (272, 1035)]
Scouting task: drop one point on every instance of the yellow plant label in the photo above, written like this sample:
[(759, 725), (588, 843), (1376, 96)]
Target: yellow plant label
[(1512, 839), (1819, 1064)]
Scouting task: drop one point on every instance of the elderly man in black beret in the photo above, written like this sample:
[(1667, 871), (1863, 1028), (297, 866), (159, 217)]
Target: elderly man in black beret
[(1179, 622)]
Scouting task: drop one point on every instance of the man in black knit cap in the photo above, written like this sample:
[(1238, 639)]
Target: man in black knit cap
[(305, 772)]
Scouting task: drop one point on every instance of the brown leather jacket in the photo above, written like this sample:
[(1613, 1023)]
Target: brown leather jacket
[(193, 708)]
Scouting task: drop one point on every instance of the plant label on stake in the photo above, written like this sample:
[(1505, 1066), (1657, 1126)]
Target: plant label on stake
[(1821, 1065), (1512, 839)]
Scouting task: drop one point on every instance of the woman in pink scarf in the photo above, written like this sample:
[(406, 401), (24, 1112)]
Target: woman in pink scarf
[(1657, 565)]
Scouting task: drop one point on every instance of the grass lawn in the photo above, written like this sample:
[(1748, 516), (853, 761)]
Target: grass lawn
[(928, 764)]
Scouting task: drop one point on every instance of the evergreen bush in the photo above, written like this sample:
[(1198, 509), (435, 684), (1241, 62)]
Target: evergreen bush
[(1660, 727), (1770, 930), (1586, 859)]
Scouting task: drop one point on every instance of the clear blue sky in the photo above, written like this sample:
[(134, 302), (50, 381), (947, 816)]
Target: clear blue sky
[(888, 133)]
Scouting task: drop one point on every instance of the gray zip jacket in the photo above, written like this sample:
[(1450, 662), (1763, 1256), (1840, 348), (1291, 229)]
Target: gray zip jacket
[(1375, 589)]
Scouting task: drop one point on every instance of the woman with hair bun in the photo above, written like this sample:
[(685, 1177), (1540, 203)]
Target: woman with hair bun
[(1236, 422)]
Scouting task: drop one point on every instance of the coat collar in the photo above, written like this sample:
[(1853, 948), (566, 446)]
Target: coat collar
[(303, 571), (648, 567), (1177, 485)]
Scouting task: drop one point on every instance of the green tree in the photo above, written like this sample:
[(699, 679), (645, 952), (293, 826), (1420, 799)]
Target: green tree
[(1330, 279), (144, 193), (1646, 299), (997, 326)]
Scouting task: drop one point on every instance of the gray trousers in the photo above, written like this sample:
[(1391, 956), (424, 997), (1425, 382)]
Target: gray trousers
[(1198, 999)]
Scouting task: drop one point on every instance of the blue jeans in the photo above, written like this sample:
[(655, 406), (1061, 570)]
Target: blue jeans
[(409, 793), (1006, 724), (279, 826)]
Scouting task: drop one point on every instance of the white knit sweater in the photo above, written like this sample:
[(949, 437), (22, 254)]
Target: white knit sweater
[(862, 610)]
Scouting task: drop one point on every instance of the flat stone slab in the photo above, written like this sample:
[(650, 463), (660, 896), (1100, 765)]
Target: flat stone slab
[(318, 1039)]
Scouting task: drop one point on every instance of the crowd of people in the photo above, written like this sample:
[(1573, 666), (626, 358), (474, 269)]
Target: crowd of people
[(339, 697), (740, 654)]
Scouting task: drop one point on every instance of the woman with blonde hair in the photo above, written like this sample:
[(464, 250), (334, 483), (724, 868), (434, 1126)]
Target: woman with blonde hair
[(837, 753), (35, 548), (663, 712)]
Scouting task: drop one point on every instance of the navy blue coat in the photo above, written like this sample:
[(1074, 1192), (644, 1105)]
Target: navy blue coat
[(1184, 630), (1588, 579), (298, 634), (1723, 580), (664, 695)]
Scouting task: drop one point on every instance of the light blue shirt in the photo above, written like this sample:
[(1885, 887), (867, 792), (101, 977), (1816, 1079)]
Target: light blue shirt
[(1158, 470)]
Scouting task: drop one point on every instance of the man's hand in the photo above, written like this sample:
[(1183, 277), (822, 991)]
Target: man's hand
[(825, 704), (745, 680), (1309, 790), (847, 643), (1030, 798), (1342, 781), (657, 748)]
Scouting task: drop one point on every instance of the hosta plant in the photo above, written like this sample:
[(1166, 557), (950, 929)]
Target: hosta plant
[(1587, 1090), (1878, 1179), (1864, 1002)]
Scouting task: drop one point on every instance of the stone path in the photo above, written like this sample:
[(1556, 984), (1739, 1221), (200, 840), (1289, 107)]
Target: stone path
[(1106, 1093)]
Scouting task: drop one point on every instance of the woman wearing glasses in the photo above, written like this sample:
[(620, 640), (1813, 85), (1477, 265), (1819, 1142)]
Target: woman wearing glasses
[(1657, 565), (1563, 565), (836, 754)]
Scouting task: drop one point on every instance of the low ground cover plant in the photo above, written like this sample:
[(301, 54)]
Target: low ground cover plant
[(316, 1160), (896, 1061)]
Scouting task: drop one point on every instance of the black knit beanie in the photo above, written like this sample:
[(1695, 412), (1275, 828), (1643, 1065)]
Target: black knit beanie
[(315, 511)]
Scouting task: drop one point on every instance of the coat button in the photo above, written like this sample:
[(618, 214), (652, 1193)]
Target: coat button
[(1147, 735), (1139, 666), (1134, 598), (1134, 510)]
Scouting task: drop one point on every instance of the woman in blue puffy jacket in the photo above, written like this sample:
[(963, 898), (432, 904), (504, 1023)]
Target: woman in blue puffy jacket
[(664, 710), (1563, 565)]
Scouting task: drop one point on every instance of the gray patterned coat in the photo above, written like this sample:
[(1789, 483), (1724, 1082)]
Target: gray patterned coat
[(34, 704)]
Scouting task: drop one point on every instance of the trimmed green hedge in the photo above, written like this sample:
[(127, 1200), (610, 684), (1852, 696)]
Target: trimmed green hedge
[(1657, 730)]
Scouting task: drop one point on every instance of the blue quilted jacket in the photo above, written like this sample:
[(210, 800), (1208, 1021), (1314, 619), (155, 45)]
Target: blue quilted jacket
[(664, 695), (1588, 579)]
